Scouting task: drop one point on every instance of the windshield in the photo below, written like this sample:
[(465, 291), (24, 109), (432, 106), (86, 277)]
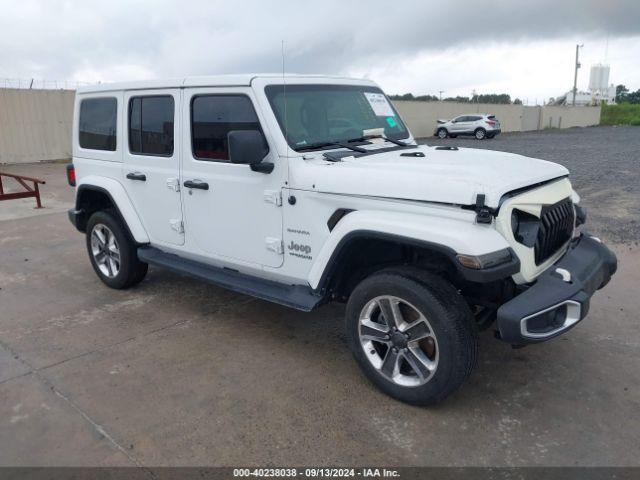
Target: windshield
[(325, 114)]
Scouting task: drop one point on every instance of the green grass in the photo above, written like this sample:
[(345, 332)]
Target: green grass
[(621, 114)]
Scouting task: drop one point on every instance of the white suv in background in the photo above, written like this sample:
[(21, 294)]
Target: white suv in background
[(480, 125)]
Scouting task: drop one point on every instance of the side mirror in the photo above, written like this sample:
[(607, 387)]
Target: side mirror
[(249, 147)]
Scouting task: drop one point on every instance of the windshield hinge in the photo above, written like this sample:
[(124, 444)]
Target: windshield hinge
[(273, 196), (484, 214)]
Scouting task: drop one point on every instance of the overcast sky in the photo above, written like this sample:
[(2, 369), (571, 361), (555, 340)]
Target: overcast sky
[(524, 48)]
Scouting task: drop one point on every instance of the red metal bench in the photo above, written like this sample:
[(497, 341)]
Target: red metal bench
[(29, 191)]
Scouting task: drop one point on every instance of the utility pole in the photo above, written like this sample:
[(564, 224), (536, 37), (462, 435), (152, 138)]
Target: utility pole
[(440, 91), (575, 75)]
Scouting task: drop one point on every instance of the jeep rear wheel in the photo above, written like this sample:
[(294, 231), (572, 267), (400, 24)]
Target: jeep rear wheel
[(412, 334), (480, 133), (112, 252)]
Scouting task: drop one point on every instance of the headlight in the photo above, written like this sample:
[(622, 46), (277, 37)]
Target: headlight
[(581, 215), (525, 227), (515, 222)]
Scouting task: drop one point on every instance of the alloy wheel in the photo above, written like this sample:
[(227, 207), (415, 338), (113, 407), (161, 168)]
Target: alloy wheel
[(105, 250), (398, 341)]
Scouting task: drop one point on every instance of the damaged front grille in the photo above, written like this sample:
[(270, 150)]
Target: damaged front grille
[(556, 228)]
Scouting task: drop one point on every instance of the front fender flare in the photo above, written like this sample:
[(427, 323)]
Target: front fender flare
[(447, 235)]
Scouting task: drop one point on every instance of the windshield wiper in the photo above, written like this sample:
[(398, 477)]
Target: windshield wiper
[(319, 145), (368, 137)]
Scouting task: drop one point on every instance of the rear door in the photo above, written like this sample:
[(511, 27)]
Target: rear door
[(152, 162), (475, 121)]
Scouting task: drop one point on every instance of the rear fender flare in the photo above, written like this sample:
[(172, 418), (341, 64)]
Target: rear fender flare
[(118, 195)]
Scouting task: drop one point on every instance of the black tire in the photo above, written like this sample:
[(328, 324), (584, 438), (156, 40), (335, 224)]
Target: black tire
[(442, 133), (131, 270), (450, 321), (480, 133)]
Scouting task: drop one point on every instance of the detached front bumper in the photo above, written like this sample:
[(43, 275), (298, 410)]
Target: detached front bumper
[(560, 296)]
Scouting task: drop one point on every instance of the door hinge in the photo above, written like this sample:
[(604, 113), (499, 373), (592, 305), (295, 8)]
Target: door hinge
[(173, 184), (273, 196), (275, 245), (177, 225)]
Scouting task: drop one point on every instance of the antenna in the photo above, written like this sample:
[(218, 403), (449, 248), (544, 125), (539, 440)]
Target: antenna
[(284, 92)]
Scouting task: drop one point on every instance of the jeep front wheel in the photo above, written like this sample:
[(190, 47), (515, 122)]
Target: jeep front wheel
[(442, 133), (412, 334), (112, 252)]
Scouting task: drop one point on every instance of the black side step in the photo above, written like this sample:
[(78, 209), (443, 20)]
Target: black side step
[(299, 297)]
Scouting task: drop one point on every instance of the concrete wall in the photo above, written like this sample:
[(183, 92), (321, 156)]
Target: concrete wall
[(35, 125), (531, 118), (421, 116), (564, 117)]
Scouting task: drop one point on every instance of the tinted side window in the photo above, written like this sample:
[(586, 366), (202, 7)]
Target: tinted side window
[(151, 125), (97, 124), (475, 119), (461, 119), (213, 117)]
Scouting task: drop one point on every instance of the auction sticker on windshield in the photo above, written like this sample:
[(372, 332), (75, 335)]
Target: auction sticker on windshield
[(379, 104)]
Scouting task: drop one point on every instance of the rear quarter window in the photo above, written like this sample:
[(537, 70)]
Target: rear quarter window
[(97, 123)]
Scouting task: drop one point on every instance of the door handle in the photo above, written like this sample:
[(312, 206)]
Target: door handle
[(137, 176), (199, 184)]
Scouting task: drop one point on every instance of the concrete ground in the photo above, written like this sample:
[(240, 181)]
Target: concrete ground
[(176, 372)]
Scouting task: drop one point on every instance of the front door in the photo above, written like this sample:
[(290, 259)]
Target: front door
[(152, 162), (460, 124), (231, 212)]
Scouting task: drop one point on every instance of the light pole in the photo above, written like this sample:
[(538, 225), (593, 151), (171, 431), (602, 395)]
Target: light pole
[(575, 75), (440, 91)]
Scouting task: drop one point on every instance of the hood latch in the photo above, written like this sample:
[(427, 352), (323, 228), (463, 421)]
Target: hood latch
[(483, 213)]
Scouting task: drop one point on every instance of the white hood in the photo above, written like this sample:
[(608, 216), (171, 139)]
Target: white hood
[(448, 176)]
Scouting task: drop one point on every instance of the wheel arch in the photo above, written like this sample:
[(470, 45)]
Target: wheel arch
[(350, 262), (102, 193), (363, 242)]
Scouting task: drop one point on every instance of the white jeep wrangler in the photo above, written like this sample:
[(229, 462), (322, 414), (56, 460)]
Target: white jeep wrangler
[(302, 190)]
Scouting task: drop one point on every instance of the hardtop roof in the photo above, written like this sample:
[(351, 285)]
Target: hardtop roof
[(241, 80)]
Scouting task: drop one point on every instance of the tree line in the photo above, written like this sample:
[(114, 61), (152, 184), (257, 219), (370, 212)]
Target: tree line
[(501, 98), (623, 95)]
